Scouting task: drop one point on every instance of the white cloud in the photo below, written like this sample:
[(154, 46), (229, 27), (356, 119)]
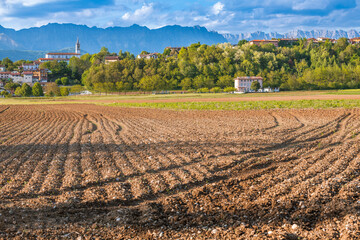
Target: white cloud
[(28, 3), (217, 8), (145, 11), (232, 16), (311, 5)]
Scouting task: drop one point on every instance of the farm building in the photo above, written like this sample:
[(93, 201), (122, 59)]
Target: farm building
[(243, 84), (263, 42)]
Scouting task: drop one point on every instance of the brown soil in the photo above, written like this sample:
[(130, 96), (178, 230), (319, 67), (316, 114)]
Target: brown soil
[(93, 172)]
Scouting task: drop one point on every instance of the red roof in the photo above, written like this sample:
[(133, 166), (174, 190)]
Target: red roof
[(27, 73), (289, 39), (5, 72), (51, 59), (15, 74), (247, 78), (63, 53), (264, 41), (111, 58)]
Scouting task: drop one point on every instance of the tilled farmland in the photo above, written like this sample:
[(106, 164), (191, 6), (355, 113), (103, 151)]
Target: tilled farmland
[(94, 172)]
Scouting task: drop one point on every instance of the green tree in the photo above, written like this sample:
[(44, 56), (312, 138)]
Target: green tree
[(10, 86), (242, 42), (64, 81), (186, 84), (5, 93), (64, 91), (37, 90), (26, 90), (255, 86), (58, 81), (18, 92), (52, 89), (23, 91), (225, 81)]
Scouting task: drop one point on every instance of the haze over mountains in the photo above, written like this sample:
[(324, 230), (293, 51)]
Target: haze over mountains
[(31, 43), (335, 34)]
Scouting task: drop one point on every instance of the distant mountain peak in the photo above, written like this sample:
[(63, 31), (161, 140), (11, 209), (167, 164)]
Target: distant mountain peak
[(336, 34)]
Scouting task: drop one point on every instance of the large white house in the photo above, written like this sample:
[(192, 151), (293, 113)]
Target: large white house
[(243, 84)]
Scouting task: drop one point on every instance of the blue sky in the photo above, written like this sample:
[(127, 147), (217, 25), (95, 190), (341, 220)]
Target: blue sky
[(225, 16)]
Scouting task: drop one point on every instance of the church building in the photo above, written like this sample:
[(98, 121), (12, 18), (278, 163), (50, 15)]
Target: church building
[(62, 56)]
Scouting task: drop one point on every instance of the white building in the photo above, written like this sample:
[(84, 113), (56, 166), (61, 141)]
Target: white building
[(31, 66), (2, 68), (148, 56), (243, 84), (28, 77), (111, 59), (5, 75), (16, 77), (62, 56)]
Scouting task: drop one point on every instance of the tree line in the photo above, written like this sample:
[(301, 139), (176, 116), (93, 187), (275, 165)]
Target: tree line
[(301, 66), (50, 90)]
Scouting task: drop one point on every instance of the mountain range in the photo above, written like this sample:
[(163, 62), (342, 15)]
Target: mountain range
[(335, 34), (33, 42), (134, 39)]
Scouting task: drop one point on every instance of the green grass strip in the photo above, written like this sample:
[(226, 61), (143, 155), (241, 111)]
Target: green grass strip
[(246, 105)]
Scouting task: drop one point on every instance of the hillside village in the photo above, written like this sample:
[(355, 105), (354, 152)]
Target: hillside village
[(32, 72)]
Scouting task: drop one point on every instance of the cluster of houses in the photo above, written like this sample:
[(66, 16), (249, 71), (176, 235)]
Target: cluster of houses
[(31, 73), (291, 41), (28, 73)]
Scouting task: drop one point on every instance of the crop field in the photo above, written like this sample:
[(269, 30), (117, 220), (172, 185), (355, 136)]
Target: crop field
[(85, 171)]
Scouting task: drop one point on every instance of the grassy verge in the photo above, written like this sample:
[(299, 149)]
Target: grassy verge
[(246, 105)]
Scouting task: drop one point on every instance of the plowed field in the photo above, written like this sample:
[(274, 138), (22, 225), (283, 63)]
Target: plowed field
[(87, 172)]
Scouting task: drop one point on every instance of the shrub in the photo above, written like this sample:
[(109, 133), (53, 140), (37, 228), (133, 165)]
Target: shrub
[(64, 91), (76, 88), (215, 90), (229, 89), (203, 90)]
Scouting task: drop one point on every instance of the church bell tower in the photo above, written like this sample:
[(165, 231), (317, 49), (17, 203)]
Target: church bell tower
[(77, 46)]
